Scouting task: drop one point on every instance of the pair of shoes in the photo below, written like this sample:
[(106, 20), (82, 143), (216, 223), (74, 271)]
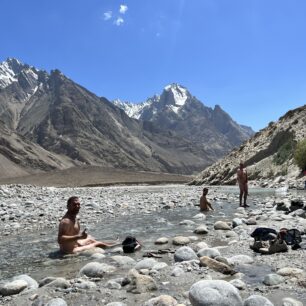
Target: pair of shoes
[(246, 205)]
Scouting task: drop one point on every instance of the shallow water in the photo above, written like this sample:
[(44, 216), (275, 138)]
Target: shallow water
[(38, 256)]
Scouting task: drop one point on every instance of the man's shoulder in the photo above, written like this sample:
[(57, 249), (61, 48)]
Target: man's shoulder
[(66, 221)]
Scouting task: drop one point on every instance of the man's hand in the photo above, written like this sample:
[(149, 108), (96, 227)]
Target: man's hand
[(83, 235)]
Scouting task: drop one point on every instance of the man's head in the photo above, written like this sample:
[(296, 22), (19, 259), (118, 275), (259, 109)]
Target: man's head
[(73, 205), (205, 191), (241, 165)]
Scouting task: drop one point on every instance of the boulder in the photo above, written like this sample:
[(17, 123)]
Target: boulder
[(180, 240), (162, 240), (288, 271), (214, 293), (184, 253), (147, 263), (32, 283), (216, 265), (201, 230), (240, 259), (273, 279), (140, 283), (221, 225), (96, 269), (57, 302), (13, 287), (123, 261), (291, 302)]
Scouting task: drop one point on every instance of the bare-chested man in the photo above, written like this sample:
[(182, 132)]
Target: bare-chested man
[(70, 239), (242, 179), (204, 204)]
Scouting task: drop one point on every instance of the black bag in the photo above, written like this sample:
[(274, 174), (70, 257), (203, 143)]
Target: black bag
[(293, 237), (129, 244), (264, 234)]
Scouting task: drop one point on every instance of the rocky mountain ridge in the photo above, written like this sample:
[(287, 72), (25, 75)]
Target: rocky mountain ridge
[(268, 155), (177, 110)]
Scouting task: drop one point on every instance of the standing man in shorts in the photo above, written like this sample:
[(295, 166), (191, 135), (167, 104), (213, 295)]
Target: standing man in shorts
[(242, 179)]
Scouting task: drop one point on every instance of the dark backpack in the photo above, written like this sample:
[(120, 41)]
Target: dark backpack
[(293, 237), (264, 234), (129, 244)]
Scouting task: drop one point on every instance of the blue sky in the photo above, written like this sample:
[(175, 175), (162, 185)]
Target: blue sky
[(248, 56)]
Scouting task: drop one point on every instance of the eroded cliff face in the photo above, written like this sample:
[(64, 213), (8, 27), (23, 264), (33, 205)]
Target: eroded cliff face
[(267, 155)]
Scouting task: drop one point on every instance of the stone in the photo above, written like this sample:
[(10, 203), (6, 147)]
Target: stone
[(84, 284), (291, 302), (57, 302), (177, 271), (201, 230), (160, 266), (199, 216), (96, 269), (187, 222), (257, 300), (199, 246), (116, 304), (184, 253), (32, 283), (124, 261), (147, 263), (140, 283), (251, 221), (59, 282), (216, 265), (180, 240), (273, 279), (210, 252), (236, 222), (162, 240), (240, 259), (13, 287), (162, 300), (288, 271), (221, 225), (214, 293), (112, 285), (97, 256), (46, 281), (238, 283)]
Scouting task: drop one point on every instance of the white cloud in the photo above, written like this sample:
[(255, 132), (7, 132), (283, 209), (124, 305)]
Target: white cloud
[(123, 9), (119, 21), (108, 15)]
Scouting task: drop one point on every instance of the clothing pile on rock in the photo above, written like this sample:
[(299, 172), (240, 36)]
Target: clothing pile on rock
[(269, 241)]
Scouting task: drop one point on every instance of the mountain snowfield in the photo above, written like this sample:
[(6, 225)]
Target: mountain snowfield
[(179, 97)]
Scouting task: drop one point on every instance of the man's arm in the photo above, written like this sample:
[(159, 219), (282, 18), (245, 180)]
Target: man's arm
[(209, 205), (63, 233)]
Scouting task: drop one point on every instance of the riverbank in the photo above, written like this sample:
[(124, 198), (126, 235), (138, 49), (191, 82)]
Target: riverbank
[(29, 218)]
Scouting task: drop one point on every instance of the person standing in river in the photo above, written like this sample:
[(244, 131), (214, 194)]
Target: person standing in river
[(204, 203), (242, 179), (70, 238)]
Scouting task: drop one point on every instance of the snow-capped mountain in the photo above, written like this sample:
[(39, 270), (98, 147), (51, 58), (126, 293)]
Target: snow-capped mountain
[(52, 111), (176, 109)]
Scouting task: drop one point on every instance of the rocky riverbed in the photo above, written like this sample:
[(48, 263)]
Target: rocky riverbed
[(187, 258)]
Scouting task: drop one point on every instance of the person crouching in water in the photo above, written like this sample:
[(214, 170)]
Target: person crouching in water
[(204, 203), (70, 238)]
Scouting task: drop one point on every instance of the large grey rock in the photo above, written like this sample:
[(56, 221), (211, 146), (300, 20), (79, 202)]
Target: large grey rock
[(184, 253), (221, 225), (273, 279), (96, 269), (59, 282), (187, 222), (147, 263), (13, 287), (32, 283), (201, 230), (162, 240), (289, 271), (177, 271), (214, 293), (257, 300), (238, 283)]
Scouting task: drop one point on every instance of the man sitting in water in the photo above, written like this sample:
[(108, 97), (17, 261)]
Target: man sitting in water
[(204, 204), (70, 239)]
